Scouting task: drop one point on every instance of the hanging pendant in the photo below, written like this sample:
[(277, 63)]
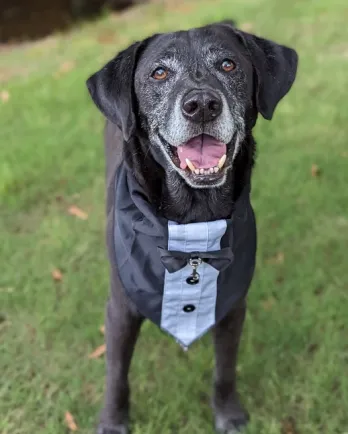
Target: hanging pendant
[(193, 278)]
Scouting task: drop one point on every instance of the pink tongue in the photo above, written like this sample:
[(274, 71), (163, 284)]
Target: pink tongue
[(203, 151)]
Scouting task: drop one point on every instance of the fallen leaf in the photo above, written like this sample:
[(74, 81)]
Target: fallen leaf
[(107, 37), (64, 68), (289, 426), (315, 171), (98, 352), (247, 27), (277, 259), (70, 422), (4, 95), (102, 329), (268, 303), (77, 212), (57, 275), (180, 7), (67, 66)]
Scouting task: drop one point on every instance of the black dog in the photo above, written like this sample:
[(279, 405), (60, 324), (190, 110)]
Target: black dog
[(181, 231)]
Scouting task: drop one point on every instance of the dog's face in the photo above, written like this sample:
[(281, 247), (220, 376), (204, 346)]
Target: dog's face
[(193, 89), (190, 91)]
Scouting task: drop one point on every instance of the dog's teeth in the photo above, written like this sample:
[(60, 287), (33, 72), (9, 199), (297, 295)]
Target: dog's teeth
[(190, 165), (208, 171), (222, 161)]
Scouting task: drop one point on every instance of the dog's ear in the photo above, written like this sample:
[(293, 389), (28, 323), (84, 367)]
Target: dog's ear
[(111, 89), (275, 67)]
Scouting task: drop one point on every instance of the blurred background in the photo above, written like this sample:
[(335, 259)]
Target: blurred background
[(293, 365)]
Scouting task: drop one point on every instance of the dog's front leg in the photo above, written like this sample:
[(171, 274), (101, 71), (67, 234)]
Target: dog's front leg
[(122, 327), (230, 417)]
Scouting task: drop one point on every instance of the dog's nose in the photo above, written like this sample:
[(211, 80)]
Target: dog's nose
[(201, 105)]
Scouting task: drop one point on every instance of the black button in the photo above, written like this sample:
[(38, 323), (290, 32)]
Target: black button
[(192, 280), (189, 308)]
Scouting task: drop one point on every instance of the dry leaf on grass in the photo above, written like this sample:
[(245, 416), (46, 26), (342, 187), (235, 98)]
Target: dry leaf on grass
[(289, 426), (315, 171), (57, 275), (77, 212), (102, 329), (4, 96), (98, 352), (70, 422), (64, 68), (179, 6), (106, 37), (277, 259), (268, 303), (246, 27), (67, 66)]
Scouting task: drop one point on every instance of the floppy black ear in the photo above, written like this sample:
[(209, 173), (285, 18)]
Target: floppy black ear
[(275, 66), (111, 89)]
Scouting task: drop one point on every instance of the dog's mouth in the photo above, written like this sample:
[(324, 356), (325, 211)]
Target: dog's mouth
[(203, 158), (202, 155)]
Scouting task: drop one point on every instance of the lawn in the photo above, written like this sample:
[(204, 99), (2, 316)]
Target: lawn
[(293, 365)]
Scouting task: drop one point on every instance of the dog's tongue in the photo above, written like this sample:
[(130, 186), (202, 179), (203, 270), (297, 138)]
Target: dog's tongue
[(203, 151)]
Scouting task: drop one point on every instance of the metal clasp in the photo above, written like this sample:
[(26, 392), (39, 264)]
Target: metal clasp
[(193, 279)]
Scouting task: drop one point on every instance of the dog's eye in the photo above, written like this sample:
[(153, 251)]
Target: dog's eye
[(227, 65), (160, 73)]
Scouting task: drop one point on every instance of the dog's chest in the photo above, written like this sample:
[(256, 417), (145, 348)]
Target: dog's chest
[(184, 278)]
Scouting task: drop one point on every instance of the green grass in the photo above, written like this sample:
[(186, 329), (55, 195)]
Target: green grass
[(294, 355)]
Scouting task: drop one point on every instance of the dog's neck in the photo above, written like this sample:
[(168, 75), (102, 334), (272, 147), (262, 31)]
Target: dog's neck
[(177, 201)]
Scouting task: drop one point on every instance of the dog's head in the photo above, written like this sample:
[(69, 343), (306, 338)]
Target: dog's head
[(194, 93)]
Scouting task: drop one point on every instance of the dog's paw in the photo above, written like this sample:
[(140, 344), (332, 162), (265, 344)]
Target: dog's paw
[(230, 415), (230, 426), (231, 422), (118, 429)]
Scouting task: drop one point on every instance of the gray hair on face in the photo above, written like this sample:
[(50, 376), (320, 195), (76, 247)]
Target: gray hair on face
[(179, 130)]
